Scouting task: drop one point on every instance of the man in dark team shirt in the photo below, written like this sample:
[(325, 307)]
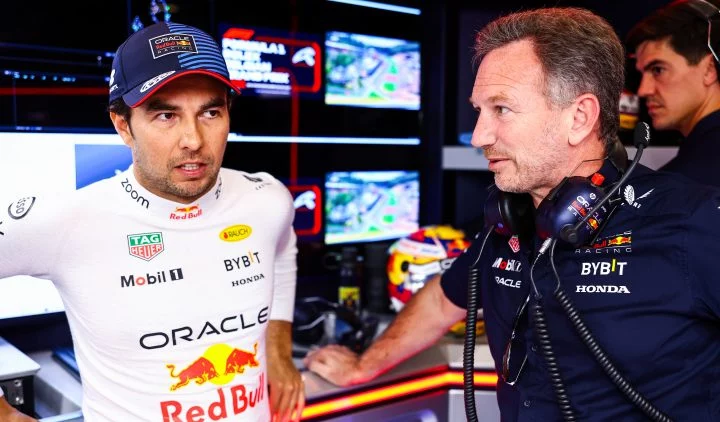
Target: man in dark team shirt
[(680, 82), (546, 93)]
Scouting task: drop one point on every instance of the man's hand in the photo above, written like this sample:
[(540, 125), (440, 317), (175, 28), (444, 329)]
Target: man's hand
[(398, 342), (19, 417), (10, 414), (337, 364), (287, 390)]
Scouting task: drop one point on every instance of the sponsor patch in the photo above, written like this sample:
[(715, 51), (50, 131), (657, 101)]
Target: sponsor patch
[(514, 244), (21, 207), (629, 194), (186, 213), (513, 265), (154, 81), (508, 282), (235, 233), (145, 246), (172, 44), (218, 191), (602, 289), (618, 243), (150, 279), (603, 268)]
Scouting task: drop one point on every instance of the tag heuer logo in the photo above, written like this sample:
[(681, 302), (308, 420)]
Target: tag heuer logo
[(145, 246)]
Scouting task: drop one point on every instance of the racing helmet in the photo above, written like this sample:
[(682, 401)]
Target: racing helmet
[(417, 258)]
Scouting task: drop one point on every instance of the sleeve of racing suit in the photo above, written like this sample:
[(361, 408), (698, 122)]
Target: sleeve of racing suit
[(703, 249), (28, 236), (285, 277), (454, 280)]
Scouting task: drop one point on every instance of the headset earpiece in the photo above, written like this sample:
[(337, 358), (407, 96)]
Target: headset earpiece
[(560, 214), (618, 156), (510, 213), (711, 13), (567, 205)]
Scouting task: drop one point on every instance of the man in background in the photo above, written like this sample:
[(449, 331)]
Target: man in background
[(679, 66)]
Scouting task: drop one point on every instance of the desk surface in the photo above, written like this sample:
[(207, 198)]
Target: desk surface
[(448, 352)]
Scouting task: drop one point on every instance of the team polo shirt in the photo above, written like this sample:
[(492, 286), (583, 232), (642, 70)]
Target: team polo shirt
[(168, 303), (647, 288), (699, 154)]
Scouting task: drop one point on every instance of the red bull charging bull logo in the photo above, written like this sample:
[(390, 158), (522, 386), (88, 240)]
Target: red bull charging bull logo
[(228, 360), (218, 365)]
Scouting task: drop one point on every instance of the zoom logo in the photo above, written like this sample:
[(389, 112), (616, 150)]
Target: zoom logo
[(134, 194)]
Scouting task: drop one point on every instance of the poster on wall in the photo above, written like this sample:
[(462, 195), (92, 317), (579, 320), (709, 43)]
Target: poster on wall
[(272, 62)]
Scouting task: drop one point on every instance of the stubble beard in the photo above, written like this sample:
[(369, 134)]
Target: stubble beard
[(534, 170), (161, 182)]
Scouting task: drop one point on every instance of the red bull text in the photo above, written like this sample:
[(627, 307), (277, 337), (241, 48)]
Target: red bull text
[(231, 401)]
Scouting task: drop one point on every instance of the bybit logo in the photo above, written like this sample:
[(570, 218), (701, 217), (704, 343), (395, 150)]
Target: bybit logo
[(603, 268), (243, 261)]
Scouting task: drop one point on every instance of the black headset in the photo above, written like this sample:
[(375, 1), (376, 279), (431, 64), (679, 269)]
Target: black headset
[(574, 210), (711, 13)]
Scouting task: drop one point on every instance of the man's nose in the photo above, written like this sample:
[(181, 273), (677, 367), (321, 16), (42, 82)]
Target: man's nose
[(647, 86), (484, 133), (191, 136)]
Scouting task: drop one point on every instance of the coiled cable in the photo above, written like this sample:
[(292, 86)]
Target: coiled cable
[(543, 336), (599, 354), (470, 334)]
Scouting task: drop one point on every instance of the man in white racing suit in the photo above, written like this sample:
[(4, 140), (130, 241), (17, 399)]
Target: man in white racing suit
[(177, 276)]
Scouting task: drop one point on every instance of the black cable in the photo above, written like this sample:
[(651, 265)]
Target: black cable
[(603, 360), (543, 336), (469, 346)]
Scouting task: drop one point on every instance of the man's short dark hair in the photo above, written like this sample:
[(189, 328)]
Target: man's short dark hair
[(579, 52), (685, 29)]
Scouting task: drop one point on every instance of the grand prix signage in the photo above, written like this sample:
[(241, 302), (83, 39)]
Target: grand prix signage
[(266, 62)]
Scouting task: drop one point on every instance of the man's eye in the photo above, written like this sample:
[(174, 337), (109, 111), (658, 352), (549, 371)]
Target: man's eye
[(657, 70), (501, 109)]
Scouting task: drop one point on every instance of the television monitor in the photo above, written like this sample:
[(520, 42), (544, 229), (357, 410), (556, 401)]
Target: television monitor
[(37, 163), (366, 206), (371, 71)]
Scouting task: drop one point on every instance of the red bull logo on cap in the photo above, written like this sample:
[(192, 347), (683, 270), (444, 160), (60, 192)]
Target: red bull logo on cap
[(219, 364)]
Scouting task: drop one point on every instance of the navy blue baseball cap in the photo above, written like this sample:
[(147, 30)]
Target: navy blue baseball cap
[(160, 53)]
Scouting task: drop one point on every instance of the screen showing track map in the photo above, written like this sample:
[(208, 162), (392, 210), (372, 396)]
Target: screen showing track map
[(366, 206), (371, 71)]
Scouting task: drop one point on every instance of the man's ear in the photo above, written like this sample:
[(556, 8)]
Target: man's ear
[(710, 75), (122, 127), (584, 115)]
